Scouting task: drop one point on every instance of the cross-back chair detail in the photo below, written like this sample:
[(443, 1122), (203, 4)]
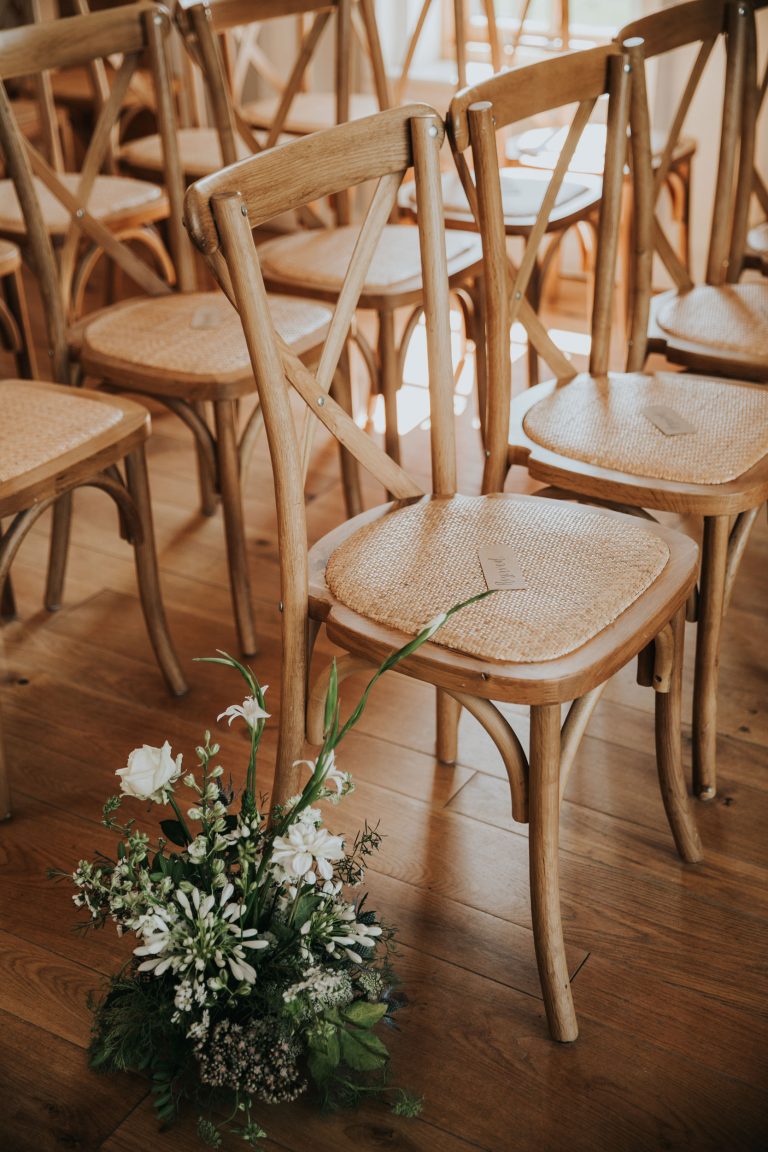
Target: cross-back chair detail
[(293, 109), (54, 438), (96, 213), (326, 584), (591, 434), (306, 263), (716, 326), (184, 348), (506, 295)]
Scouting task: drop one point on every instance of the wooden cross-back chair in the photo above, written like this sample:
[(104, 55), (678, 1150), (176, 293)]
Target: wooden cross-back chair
[(55, 438), (718, 326), (524, 190), (221, 42), (376, 580), (88, 213), (298, 108), (593, 434), (184, 348), (309, 263)]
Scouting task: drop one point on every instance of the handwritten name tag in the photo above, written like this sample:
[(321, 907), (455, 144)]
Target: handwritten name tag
[(501, 567), (667, 420)]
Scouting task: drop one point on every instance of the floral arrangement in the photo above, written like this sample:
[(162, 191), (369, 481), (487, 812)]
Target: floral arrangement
[(254, 974)]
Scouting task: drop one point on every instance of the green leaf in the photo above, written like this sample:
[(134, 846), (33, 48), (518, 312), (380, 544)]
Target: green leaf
[(173, 831), (321, 1069), (326, 1044), (363, 1051), (363, 1014)]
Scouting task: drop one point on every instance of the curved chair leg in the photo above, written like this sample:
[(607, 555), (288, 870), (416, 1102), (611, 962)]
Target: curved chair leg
[(232, 507), (669, 753), (146, 574), (714, 561), (544, 818), (58, 552), (16, 301), (7, 598)]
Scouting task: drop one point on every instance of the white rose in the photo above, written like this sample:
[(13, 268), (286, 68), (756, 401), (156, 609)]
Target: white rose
[(149, 773)]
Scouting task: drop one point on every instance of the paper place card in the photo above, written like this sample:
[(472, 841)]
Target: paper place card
[(501, 568), (209, 316), (667, 420)]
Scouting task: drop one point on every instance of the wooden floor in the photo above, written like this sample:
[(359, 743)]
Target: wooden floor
[(668, 960)]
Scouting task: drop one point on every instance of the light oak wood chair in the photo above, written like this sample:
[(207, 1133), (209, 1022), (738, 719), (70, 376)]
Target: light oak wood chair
[(297, 107), (599, 587), (55, 438), (221, 40), (667, 441), (184, 348), (86, 212), (719, 326), (523, 190), (309, 263)]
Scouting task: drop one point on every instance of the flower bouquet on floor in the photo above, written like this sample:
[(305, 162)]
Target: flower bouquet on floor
[(254, 975)]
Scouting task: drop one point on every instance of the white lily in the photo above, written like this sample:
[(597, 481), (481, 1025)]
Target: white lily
[(250, 710)]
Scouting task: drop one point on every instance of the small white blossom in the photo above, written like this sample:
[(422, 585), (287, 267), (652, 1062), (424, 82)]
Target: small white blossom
[(250, 710), (306, 847)]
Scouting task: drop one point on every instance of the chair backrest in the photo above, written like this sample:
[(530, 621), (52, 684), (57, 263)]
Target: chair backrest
[(204, 25), (221, 212), (475, 116), (130, 31), (699, 24)]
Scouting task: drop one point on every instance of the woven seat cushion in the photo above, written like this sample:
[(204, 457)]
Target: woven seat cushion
[(198, 335), (582, 570), (110, 196), (541, 148), (319, 259), (733, 318), (37, 426), (199, 152), (757, 238), (309, 111), (600, 421), (521, 192)]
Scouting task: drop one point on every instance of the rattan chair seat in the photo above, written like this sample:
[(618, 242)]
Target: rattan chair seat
[(601, 421), (319, 259), (39, 425), (728, 318), (199, 152), (309, 112), (581, 570), (541, 148), (196, 335), (522, 194), (111, 196)]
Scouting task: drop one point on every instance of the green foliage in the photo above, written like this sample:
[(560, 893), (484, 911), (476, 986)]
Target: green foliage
[(253, 970)]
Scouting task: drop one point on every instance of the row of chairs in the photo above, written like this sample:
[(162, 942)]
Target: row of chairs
[(600, 587)]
